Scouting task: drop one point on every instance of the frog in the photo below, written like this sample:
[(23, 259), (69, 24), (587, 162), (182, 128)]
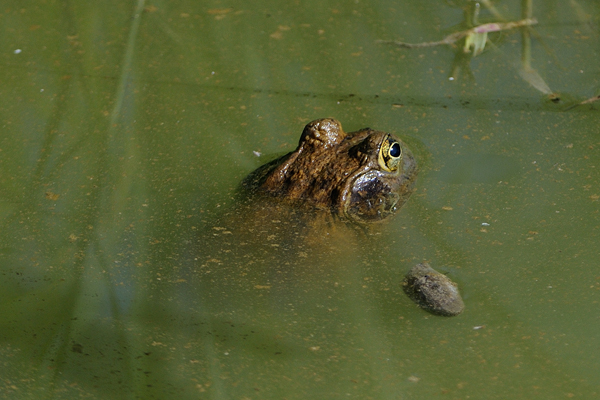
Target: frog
[(304, 225), (363, 176)]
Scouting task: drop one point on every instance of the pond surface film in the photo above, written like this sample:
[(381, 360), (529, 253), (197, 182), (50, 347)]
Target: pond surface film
[(131, 268)]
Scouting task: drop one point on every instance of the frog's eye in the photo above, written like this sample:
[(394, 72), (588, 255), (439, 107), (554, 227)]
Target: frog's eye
[(390, 155)]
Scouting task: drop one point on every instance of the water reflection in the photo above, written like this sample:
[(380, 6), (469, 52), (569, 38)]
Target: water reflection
[(270, 249)]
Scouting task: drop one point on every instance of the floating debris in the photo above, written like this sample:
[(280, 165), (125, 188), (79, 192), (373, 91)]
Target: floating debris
[(588, 101), (475, 37), (433, 291)]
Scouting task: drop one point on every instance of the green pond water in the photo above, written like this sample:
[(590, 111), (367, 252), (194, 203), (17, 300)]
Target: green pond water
[(125, 269)]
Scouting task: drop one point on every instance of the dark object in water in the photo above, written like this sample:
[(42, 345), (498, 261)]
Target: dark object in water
[(433, 291)]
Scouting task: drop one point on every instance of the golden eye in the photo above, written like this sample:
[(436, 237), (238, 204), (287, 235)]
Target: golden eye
[(390, 155)]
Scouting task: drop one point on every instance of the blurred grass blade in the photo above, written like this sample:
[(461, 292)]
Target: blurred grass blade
[(127, 62), (534, 79)]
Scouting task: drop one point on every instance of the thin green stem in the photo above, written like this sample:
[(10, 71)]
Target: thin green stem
[(526, 13), (127, 62)]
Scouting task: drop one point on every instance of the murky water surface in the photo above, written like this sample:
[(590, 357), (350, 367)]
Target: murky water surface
[(131, 268)]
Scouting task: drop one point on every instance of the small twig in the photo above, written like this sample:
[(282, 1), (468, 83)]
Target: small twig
[(453, 38), (588, 101)]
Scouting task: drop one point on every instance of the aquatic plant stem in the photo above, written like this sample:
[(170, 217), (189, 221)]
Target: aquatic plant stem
[(127, 62), (526, 13)]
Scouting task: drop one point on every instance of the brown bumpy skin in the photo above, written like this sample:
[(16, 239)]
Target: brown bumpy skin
[(365, 175)]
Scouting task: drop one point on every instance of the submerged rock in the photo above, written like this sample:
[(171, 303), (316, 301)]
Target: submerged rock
[(433, 291)]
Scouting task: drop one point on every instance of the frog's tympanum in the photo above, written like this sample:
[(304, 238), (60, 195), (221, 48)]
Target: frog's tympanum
[(364, 175)]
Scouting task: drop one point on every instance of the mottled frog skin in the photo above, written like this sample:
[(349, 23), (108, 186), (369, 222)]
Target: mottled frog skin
[(364, 176)]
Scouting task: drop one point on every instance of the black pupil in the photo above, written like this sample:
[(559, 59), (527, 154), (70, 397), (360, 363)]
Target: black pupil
[(395, 150)]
